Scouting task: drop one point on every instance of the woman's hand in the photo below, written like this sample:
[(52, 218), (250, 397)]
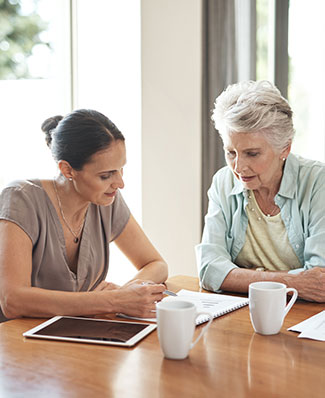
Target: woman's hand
[(138, 298), (310, 284)]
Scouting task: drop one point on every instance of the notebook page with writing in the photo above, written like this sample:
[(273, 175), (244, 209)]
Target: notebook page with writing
[(216, 304)]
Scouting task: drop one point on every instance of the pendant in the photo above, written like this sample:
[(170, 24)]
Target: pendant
[(76, 239)]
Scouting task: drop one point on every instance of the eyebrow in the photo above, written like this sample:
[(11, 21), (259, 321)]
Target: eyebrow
[(245, 150), (106, 171), (111, 171)]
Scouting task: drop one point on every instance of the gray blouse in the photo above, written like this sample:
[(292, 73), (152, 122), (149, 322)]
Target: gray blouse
[(27, 204)]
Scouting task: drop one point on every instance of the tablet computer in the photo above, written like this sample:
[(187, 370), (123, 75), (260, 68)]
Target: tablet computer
[(90, 330)]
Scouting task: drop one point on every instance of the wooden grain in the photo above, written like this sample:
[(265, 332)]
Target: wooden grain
[(229, 361)]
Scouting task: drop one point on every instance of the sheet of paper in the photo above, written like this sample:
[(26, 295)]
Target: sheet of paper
[(311, 328), (205, 302)]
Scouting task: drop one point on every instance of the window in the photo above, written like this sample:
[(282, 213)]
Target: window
[(306, 76), (306, 64), (92, 61), (108, 78), (42, 92)]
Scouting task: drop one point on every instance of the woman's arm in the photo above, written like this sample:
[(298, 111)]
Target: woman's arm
[(18, 298), (212, 254), (309, 284), (139, 250), (218, 272)]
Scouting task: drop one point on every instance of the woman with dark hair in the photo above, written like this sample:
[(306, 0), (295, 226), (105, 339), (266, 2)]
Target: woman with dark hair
[(55, 234)]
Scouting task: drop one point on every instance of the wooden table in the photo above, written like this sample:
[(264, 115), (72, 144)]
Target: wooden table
[(229, 361)]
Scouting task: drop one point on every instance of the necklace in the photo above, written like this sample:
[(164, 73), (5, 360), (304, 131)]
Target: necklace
[(272, 212), (76, 235), (253, 203)]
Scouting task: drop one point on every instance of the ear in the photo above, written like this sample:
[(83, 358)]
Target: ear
[(285, 153), (65, 169)]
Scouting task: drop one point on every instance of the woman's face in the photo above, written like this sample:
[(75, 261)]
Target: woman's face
[(102, 176), (254, 161)]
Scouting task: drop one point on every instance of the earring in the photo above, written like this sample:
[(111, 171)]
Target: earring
[(284, 159), (70, 179)]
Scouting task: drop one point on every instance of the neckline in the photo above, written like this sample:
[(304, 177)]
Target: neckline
[(60, 232), (254, 207)]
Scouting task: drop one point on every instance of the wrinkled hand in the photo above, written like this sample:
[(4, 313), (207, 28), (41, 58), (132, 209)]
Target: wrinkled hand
[(138, 298), (311, 284)]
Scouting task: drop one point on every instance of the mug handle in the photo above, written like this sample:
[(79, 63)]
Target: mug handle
[(204, 329), (292, 300)]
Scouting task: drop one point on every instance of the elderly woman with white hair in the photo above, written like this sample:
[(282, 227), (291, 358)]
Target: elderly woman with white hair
[(266, 207)]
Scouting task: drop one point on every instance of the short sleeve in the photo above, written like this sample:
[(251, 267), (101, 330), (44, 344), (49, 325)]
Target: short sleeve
[(120, 216), (19, 203)]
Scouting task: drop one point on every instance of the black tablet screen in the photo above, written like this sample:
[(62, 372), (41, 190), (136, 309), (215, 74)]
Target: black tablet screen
[(92, 329)]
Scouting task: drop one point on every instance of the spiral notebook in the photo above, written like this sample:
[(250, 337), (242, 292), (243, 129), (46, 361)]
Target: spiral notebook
[(214, 303)]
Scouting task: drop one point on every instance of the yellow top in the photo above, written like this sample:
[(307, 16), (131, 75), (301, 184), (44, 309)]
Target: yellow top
[(267, 246)]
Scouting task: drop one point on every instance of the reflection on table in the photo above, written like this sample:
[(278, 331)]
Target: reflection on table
[(229, 361)]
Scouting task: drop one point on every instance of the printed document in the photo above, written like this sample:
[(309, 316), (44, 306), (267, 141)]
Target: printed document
[(311, 328)]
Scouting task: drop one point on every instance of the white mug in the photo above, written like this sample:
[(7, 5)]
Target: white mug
[(268, 305), (176, 325)]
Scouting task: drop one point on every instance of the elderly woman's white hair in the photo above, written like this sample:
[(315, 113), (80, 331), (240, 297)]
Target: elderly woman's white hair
[(250, 107)]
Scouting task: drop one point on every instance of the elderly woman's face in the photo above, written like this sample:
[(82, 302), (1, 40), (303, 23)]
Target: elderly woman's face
[(253, 160)]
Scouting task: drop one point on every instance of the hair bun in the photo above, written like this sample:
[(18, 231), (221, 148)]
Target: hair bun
[(48, 126)]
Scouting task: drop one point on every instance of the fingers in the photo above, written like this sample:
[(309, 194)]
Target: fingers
[(154, 291), (154, 288), (140, 297), (310, 284), (147, 287)]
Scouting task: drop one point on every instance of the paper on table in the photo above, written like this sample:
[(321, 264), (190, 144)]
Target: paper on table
[(311, 328), (216, 304)]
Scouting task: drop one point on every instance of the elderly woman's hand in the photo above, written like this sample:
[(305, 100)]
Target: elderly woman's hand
[(310, 284)]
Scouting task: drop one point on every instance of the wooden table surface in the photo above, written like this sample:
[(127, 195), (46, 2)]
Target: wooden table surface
[(229, 361)]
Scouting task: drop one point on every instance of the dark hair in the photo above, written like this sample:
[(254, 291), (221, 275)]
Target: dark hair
[(79, 135)]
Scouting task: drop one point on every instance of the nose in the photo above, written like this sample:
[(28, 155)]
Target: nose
[(240, 164), (118, 181)]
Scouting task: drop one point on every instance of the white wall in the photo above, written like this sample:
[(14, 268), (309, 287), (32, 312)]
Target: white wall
[(171, 129)]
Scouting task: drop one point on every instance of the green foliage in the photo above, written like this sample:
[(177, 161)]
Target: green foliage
[(18, 35)]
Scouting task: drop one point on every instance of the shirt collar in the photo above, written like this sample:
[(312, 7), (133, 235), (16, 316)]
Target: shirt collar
[(289, 178), (238, 186)]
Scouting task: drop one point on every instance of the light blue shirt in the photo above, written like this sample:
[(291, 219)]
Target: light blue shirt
[(301, 199)]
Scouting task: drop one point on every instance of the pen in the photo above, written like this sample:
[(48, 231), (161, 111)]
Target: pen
[(169, 293)]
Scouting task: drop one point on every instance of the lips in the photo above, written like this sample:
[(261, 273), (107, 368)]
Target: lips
[(111, 195), (247, 179)]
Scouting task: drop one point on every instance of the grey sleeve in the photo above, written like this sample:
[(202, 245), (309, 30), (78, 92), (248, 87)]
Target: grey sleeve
[(18, 206)]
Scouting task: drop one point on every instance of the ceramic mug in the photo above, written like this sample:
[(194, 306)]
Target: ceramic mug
[(268, 305), (176, 326)]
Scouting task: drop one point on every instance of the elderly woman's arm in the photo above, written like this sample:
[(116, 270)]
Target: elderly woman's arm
[(218, 272), (213, 258), (309, 284)]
